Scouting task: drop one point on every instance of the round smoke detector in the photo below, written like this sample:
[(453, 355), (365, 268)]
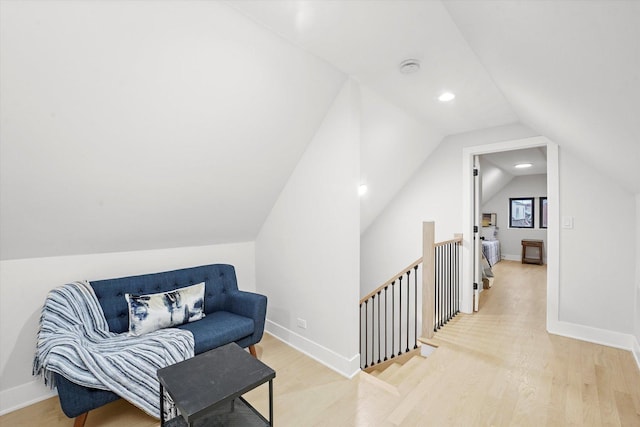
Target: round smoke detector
[(409, 66)]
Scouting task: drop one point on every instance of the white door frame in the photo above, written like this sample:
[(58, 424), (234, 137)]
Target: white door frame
[(476, 206), (553, 218)]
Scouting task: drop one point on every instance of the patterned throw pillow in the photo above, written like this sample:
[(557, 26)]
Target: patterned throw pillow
[(148, 313)]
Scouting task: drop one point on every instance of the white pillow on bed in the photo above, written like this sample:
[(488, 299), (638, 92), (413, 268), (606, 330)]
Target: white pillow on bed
[(489, 233), (148, 313)]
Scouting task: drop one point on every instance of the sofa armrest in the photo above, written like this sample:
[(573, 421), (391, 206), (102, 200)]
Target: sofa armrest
[(251, 305), (76, 400)]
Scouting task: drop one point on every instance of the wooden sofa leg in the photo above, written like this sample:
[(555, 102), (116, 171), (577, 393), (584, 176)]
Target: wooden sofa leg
[(252, 350), (80, 420)]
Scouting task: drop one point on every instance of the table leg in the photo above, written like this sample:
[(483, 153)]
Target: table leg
[(271, 403), (161, 405)]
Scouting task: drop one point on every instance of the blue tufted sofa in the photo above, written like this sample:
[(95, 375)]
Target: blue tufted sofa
[(231, 316)]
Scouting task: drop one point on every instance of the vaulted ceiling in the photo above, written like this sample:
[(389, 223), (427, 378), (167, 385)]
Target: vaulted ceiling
[(568, 69), (147, 125), (369, 40), (141, 125)]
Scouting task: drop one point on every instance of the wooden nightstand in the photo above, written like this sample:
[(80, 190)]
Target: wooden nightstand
[(535, 244)]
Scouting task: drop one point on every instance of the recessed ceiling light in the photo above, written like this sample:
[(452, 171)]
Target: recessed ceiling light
[(362, 189), (523, 165), (446, 97), (410, 66)]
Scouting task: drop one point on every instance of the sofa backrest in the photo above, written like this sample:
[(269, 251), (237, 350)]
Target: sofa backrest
[(219, 280)]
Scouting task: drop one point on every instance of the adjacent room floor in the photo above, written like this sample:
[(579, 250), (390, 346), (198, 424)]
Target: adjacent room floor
[(498, 367)]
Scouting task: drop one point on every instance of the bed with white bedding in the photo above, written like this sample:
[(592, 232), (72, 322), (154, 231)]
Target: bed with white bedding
[(490, 245)]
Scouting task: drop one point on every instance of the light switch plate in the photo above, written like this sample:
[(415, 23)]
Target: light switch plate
[(567, 222)]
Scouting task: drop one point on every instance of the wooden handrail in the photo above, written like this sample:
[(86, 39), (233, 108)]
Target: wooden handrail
[(410, 267), (400, 307), (388, 282), (446, 242)]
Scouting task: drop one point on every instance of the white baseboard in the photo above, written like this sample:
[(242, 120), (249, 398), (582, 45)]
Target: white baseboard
[(636, 351), (518, 258), (24, 395), (347, 367), (35, 391), (597, 336), (510, 257)]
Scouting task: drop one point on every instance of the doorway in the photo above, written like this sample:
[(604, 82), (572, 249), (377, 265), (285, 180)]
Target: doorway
[(469, 219)]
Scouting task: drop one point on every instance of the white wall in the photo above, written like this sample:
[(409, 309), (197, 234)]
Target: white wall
[(637, 257), (24, 284), (510, 238), (307, 251), (393, 146), (597, 262), (434, 193)]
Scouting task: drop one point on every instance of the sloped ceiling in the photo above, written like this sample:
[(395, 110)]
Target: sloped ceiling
[(498, 169), (138, 125), (144, 125), (402, 119), (569, 69), (507, 161), (369, 39)]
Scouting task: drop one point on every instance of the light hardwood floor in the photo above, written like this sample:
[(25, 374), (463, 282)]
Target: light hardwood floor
[(498, 367)]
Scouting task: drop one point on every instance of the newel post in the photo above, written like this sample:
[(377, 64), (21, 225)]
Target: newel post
[(428, 278)]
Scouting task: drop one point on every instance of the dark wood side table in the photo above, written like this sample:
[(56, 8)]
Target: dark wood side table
[(207, 389), (534, 244)]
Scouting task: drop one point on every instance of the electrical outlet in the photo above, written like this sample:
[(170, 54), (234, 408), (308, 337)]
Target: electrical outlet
[(301, 323)]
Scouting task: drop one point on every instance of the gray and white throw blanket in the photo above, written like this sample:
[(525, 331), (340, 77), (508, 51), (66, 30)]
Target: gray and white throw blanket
[(74, 340)]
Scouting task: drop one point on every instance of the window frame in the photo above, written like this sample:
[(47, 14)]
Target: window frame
[(531, 200)]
